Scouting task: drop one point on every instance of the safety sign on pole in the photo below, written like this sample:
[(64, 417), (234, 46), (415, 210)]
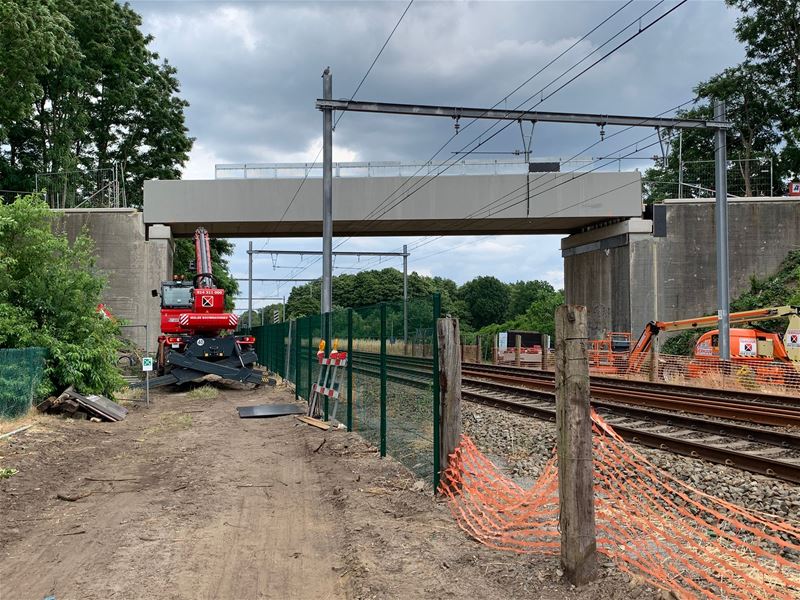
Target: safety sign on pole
[(147, 366)]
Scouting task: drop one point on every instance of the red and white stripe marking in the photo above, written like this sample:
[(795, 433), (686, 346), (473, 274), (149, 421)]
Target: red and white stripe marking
[(333, 362), (329, 392)]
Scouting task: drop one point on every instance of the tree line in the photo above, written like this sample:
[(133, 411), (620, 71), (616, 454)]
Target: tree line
[(483, 304)]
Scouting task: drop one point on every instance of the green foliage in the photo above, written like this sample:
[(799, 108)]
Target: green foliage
[(371, 287), (683, 343), (82, 90), (5, 473), (770, 32), (539, 315), (762, 95), (49, 292), (780, 289), (486, 299), (220, 250)]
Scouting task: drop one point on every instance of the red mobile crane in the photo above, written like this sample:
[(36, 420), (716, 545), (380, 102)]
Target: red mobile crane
[(195, 338)]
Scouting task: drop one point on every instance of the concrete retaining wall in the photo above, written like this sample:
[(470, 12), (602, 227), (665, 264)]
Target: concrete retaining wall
[(627, 277), (132, 265)]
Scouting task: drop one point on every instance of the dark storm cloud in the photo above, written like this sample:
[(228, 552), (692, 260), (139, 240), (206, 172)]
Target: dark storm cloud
[(251, 70)]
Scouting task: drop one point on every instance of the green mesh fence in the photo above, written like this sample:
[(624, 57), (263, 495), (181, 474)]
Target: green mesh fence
[(389, 390), (21, 372)]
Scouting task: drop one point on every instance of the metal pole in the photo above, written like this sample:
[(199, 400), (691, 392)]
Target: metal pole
[(327, 194), (405, 295), (680, 164), (383, 379), (250, 287), (721, 183)]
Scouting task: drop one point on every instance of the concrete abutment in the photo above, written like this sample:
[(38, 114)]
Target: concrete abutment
[(133, 263), (636, 271)]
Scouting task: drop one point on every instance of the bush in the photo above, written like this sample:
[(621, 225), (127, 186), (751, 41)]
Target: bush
[(49, 292)]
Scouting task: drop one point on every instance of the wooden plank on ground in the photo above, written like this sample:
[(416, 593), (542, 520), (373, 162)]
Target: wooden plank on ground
[(312, 421)]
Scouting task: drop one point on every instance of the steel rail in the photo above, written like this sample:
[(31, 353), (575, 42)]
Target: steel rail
[(749, 461), (771, 467), (726, 409), (672, 388)]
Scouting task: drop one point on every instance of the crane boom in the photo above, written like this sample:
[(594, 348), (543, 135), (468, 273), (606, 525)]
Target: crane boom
[(202, 248), (653, 328)]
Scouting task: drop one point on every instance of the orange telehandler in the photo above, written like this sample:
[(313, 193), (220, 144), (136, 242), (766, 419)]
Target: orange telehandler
[(763, 354)]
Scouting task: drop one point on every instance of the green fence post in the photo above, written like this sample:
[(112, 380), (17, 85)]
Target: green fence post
[(437, 310), (297, 324), (383, 379), (311, 357), (349, 369)]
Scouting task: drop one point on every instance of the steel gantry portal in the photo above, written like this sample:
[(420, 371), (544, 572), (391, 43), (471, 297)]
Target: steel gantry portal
[(719, 125)]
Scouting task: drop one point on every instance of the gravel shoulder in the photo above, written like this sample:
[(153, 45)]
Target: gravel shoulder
[(522, 445), (185, 500)]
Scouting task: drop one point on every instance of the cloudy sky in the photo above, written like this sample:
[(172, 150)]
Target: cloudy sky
[(251, 72)]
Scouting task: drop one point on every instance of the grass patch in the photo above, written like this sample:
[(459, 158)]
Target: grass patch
[(6, 473), (170, 422), (129, 394), (206, 392)]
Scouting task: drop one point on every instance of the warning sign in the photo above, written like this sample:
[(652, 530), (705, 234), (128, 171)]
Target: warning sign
[(747, 347), (793, 338), (208, 301)]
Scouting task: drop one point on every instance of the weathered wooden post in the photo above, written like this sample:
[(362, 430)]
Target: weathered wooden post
[(545, 350), (480, 354), (494, 350), (518, 350), (574, 423), (449, 388)]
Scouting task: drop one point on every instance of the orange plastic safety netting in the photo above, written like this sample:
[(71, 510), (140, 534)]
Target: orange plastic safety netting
[(649, 523)]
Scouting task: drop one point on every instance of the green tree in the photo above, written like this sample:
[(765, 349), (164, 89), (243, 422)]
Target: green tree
[(486, 298), (770, 32), (95, 95), (526, 293), (49, 292)]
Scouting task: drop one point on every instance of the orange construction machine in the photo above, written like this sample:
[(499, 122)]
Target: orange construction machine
[(763, 353)]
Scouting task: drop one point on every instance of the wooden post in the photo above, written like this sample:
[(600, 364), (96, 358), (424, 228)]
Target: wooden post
[(480, 354), (449, 388), (518, 350), (494, 350), (574, 423), (545, 350)]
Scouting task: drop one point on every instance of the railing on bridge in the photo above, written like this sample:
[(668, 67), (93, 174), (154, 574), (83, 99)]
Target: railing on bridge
[(514, 166)]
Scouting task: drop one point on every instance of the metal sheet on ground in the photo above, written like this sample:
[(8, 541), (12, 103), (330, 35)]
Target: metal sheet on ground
[(269, 410)]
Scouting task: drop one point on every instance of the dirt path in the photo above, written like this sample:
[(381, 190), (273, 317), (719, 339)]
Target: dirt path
[(185, 500)]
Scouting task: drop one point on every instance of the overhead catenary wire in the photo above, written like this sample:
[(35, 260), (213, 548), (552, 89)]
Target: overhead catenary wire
[(442, 168), (341, 114), (612, 159), (516, 89), (481, 142)]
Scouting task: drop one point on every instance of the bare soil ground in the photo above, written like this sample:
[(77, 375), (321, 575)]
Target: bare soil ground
[(185, 500)]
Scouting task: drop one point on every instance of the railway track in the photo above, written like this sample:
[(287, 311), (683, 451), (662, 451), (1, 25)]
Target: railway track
[(767, 452)]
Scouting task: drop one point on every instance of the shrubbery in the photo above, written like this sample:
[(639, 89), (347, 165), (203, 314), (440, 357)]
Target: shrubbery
[(49, 292)]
